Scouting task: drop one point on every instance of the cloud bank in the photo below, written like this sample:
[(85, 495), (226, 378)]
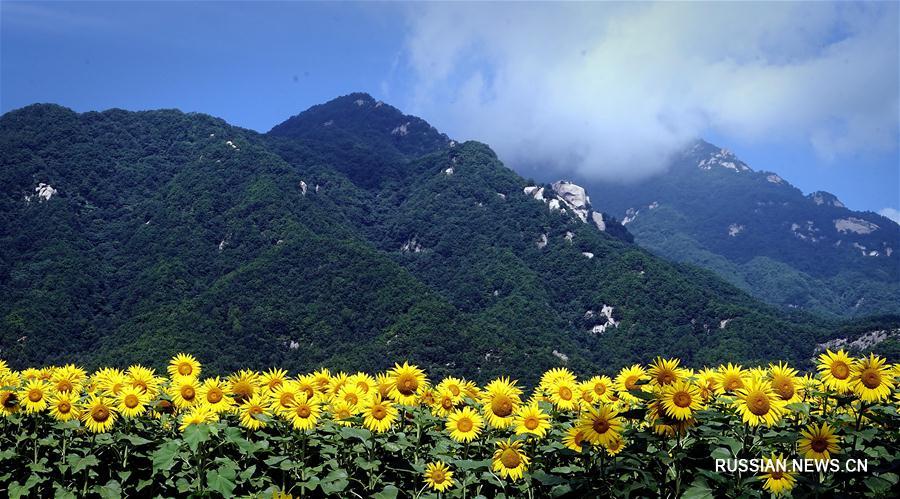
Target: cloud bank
[(612, 90)]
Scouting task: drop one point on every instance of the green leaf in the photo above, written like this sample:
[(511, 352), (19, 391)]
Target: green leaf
[(389, 492), (721, 453), (79, 463), (222, 480), (194, 435), (111, 490), (334, 482), (164, 457), (698, 490)]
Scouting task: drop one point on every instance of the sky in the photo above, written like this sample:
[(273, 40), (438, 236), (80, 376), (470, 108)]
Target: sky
[(601, 90)]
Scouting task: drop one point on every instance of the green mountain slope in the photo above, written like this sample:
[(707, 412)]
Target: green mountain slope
[(763, 235), (157, 232)]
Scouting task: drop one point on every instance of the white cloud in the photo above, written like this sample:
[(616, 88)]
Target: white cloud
[(610, 90), (892, 213)]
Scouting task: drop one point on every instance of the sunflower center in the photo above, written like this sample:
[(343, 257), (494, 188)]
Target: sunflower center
[(308, 390), (510, 458), (464, 425), (501, 406), (454, 390), (9, 399), (214, 396), (631, 382), (600, 425), (131, 401), (407, 384), (447, 403), (578, 438), (139, 384), (599, 388), (531, 422), (777, 475), (64, 386), (379, 412), (100, 414), (351, 398), (818, 444), (286, 399), (304, 411), (840, 370), (682, 399), (64, 407), (871, 378), (188, 393), (732, 383), (665, 377), (785, 389), (35, 395), (565, 393), (165, 407), (185, 369), (255, 410), (242, 390), (758, 403)]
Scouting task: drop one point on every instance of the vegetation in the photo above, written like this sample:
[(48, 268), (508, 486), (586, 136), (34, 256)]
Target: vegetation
[(645, 431)]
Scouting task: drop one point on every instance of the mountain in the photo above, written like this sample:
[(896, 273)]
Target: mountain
[(760, 233), (352, 236)]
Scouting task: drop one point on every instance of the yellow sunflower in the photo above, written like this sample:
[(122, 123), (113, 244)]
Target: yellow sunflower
[(785, 382), (33, 396), (197, 415), (818, 442), (453, 386), (337, 381), (212, 393), (557, 375), (63, 406), (255, 411), (272, 379), (378, 414), (600, 386), (438, 476), (184, 391), (99, 415), (777, 479), (680, 400), (363, 382), (574, 439), (730, 379), (664, 372), (352, 395), (628, 379), (464, 424), (131, 402), (406, 381), (509, 459), (530, 419), (144, 379), (758, 404), (304, 412), (600, 425), (501, 398), (243, 385), (615, 446), (707, 381), (184, 365), (871, 380), (283, 397), (113, 381), (322, 378), (444, 402), (835, 369), (307, 385), (68, 379), (564, 395), (9, 402), (342, 412)]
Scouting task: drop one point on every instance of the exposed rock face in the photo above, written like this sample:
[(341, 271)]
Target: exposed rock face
[(587, 254), (735, 229), (561, 356), (605, 317), (574, 197), (774, 179), (303, 187), (598, 220), (401, 130), (542, 242), (825, 198), (864, 342), (857, 225), (723, 158), (411, 246), (43, 192)]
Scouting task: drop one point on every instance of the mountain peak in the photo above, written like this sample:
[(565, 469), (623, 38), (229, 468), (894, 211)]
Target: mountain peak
[(825, 198)]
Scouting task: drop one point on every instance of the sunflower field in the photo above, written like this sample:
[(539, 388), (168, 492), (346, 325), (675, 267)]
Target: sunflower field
[(654, 430)]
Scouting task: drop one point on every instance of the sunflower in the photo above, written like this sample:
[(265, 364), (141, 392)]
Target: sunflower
[(427, 396), (557, 375), (306, 384), (342, 412), (777, 480), (272, 379), (378, 414), (352, 395), (757, 403), (322, 378), (600, 425), (384, 384), (33, 396), (304, 412), (664, 371), (63, 406), (444, 402), (871, 380), (407, 380), (283, 396), (9, 402), (707, 381), (615, 446), (530, 419), (665, 425), (730, 379), (112, 381), (438, 476), (627, 380), (212, 394), (200, 414), (818, 442), (99, 415), (464, 424), (785, 382), (184, 365), (574, 439), (564, 394), (254, 411), (835, 370), (68, 379), (363, 382), (509, 460), (453, 386), (600, 386), (500, 398), (183, 391), (131, 402), (145, 379), (680, 399), (243, 385)]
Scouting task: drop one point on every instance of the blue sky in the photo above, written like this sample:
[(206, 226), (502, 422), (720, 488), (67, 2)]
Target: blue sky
[(807, 90)]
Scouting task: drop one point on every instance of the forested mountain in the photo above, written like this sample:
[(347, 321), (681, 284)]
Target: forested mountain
[(760, 233), (350, 235)]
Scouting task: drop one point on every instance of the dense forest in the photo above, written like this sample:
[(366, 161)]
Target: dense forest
[(351, 235)]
